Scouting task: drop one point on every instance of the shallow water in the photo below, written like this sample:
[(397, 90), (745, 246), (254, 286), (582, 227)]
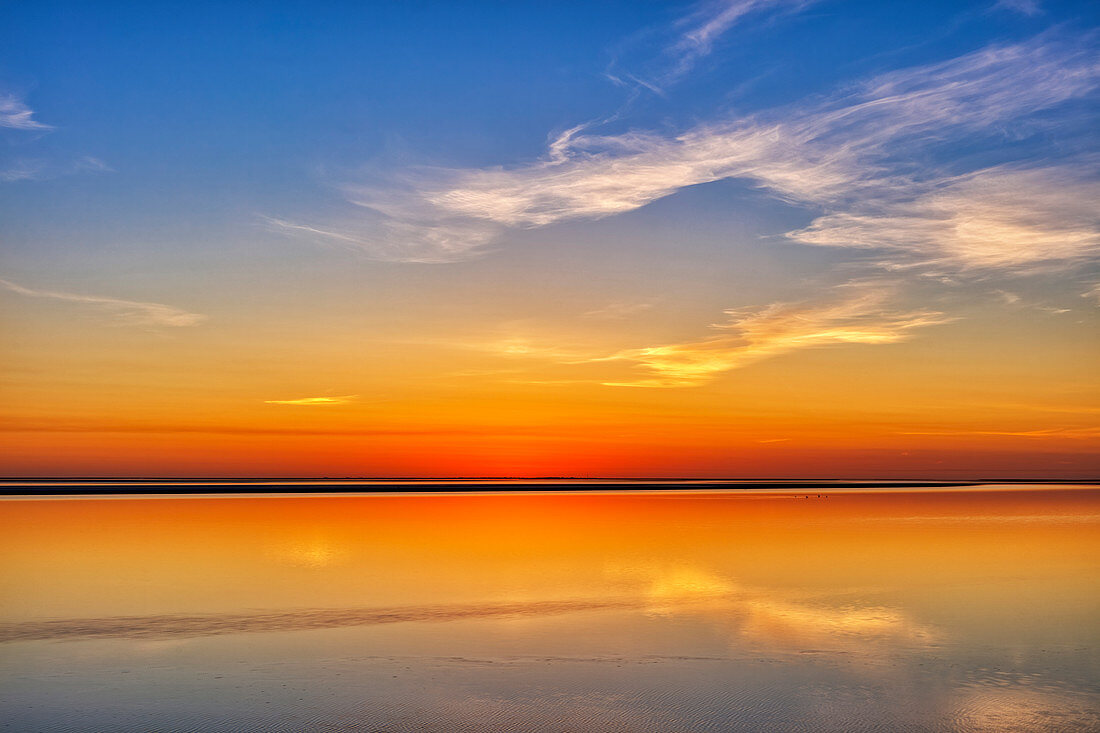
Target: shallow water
[(955, 609)]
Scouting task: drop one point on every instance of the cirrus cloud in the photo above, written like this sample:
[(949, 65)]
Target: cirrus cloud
[(749, 335), (15, 114), (127, 311), (850, 154)]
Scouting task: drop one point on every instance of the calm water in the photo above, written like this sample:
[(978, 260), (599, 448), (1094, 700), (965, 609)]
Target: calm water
[(846, 610)]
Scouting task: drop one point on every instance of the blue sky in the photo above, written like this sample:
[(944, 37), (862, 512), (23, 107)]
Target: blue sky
[(268, 102), (178, 128)]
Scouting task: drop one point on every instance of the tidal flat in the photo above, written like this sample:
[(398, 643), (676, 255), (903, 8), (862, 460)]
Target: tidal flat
[(950, 608)]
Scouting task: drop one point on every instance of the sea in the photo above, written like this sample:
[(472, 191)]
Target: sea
[(552, 605)]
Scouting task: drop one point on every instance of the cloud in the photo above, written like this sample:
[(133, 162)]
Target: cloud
[(752, 334), (316, 401), (22, 170), (876, 163), (821, 156), (1027, 7), (598, 176), (42, 170), (90, 164), (518, 346), (396, 238), (128, 311), (669, 54), (999, 217), (850, 154), (1069, 432), (862, 314), (83, 426), (618, 310), (14, 113), (706, 26), (1013, 300)]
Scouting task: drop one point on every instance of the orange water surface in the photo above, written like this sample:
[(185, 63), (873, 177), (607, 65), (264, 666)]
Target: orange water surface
[(824, 609)]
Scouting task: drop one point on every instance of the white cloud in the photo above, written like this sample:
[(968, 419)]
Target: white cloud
[(128, 311), (14, 113), (394, 239), (817, 156), (994, 218), (22, 170), (43, 170), (707, 25), (849, 154), (1027, 7), (669, 54), (864, 157), (90, 164)]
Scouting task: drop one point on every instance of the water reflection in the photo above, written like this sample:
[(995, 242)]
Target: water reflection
[(962, 610), (312, 552)]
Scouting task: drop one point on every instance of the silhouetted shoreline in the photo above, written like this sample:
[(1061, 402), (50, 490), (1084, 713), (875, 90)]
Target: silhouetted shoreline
[(122, 486)]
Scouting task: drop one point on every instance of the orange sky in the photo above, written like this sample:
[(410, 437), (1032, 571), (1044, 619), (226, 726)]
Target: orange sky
[(94, 401)]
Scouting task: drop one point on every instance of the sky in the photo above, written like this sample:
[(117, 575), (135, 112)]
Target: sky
[(730, 238)]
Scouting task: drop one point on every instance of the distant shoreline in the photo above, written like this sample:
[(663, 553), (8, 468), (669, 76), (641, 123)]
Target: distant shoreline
[(117, 486)]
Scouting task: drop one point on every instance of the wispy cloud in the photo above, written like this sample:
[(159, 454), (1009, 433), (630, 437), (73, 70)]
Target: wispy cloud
[(14, 113), (871, 162), (524, 347), (825, 156), (668, 55), (43, 170), (1014, 300), (22, 170), (617, 310), (1076, 409), (91, 164), (864, 312), (1027, 7), (316, 401), (394, 237), (849, 155), (128, 311), (709, 23), (98, 426), (1070, 432), (999, 217), (752, 334)]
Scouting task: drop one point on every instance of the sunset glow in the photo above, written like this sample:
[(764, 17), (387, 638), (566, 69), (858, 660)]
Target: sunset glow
[(752, 238)]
